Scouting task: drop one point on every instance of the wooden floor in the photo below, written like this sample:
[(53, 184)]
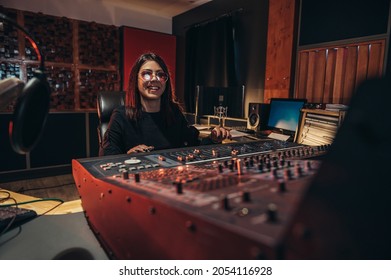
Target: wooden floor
[(61, 187)]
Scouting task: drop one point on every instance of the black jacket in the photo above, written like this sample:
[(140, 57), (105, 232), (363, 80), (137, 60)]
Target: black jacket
[(123, 134)]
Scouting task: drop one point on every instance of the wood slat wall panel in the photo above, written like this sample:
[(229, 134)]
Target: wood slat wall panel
[(320, 66), (350, 74), (375, 59), (331, 74), (339, 75), (362, 64), (310, 74), (303, 70)]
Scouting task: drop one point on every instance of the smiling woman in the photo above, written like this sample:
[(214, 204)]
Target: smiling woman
[(151, 118), (151, 84)]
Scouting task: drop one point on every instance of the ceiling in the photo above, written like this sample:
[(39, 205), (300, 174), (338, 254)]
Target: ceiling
[(163, 8)]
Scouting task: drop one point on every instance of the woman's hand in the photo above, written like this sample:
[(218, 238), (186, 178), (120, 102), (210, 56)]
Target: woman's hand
[(140, 149), (220, 133)]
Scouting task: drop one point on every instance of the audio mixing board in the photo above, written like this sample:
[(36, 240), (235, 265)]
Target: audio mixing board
[(229, 201)]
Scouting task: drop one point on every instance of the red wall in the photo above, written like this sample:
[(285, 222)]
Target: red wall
[(138, 41)]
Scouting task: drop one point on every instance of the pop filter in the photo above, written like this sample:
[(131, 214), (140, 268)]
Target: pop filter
[(30, 113), (32, 105)]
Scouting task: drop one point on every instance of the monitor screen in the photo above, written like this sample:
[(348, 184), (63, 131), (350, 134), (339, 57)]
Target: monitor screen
[(285, 114), (209, 97)]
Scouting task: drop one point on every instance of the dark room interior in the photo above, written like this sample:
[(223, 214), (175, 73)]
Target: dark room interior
[(300, 87)]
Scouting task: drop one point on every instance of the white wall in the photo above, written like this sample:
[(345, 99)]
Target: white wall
[(93, 10)]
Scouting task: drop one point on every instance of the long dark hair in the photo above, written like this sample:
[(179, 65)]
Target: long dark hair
[(168, 101)]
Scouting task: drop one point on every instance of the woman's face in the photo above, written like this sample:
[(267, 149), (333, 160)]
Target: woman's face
[(151, 80)]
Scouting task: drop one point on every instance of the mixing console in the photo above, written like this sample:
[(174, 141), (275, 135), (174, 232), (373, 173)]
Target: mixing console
[(250, 200), (226, 201), (250, 151)]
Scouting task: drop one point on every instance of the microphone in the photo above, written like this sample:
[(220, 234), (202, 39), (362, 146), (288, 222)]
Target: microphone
[(32, 102), (10, 88)]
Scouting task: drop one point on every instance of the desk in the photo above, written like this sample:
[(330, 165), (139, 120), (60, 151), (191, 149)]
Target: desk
[(237, 136), (62, 233), (45, 205)]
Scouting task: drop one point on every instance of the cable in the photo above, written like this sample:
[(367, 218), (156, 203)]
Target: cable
[(33, 201), (16, 204), (5, 198), (12, 219)]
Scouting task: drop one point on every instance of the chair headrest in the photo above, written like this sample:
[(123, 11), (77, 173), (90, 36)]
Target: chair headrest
[(107, 102)]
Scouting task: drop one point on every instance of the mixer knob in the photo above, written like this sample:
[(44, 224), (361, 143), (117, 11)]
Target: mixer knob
[(288, 174), (272, 212), (231, 166), (246, 197), (180, 158), (220, 167), (125, 175), (281, 187), (299, 171), (179, 188), (275, 173), (225, 203), (189, 157), (137, 177), (161, 158), (234, 152), (251, 161), (239, 166), (215, 153), (197, 151)]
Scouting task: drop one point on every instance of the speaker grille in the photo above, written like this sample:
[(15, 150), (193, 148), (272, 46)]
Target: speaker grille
[(258, 114)]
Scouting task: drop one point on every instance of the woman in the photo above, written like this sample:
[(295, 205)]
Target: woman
[(151, 118)]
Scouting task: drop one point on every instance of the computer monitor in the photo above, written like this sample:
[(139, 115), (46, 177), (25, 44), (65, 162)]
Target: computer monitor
[(284, 115), (209, 97)]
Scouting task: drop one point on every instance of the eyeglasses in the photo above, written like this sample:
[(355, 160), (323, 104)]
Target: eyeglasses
[(147, 75)]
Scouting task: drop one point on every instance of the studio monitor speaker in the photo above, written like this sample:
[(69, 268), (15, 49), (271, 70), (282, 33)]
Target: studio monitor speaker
[(258, 114)]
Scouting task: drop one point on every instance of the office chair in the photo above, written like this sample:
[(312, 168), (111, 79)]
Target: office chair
[(107, 101)]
